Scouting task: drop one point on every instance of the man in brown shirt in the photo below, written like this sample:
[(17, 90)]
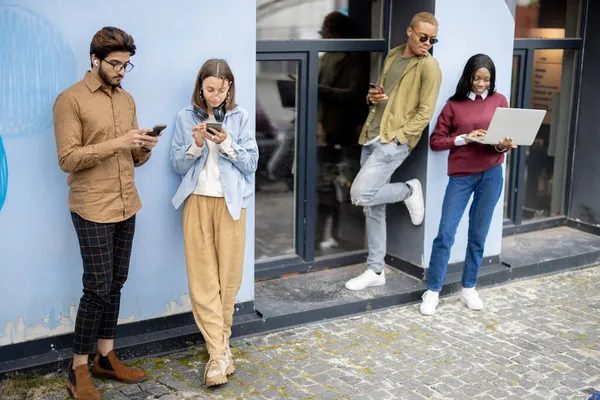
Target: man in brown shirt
[(99, 144)]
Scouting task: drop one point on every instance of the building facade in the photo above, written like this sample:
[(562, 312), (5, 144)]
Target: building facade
[(544, 51)]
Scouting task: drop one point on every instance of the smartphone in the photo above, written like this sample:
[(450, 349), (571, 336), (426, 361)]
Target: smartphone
[(217, 126), (156, 130), (374, 86)]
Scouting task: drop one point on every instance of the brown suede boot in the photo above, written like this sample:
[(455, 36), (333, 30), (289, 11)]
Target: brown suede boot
[(110, 367), (80, 385)]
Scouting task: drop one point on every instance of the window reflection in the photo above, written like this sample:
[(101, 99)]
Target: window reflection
[(546, 159), (301, 19), (275, 178), (547, 19)]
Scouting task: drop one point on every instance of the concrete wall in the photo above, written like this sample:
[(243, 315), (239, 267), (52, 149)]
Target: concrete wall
[(44, 48), (466, 28)]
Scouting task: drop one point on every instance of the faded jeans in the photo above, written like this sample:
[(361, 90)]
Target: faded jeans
[(372, 190)]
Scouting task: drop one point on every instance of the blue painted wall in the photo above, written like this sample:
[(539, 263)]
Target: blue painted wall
[(466, 28), (44, 48)]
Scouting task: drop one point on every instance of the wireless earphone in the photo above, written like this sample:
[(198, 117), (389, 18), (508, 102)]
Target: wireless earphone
[(96, 63)]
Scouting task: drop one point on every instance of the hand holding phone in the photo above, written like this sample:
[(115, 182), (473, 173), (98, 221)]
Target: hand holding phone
[(376, 94), (156, 130), (378, 87)]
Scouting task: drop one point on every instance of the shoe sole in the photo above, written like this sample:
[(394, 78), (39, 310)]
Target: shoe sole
[(216, 381), (469, 307), (368, 286), (426, 314), (110, 377), (71, 390)]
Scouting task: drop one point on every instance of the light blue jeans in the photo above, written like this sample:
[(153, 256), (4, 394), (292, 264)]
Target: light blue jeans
[(372, 190)]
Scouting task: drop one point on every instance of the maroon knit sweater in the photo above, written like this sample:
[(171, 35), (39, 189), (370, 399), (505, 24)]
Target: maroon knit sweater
[(464, 116)]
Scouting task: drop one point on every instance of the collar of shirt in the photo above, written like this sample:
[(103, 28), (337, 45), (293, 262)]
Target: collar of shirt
[(94, 82), (472, 95)]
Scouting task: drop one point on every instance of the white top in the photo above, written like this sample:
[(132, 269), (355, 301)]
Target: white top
[(209, 181)]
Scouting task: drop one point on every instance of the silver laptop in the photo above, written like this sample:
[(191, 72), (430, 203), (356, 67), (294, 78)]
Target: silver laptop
[(521, 124)]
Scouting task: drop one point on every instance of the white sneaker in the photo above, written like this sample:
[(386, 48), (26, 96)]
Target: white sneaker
[(365, 280), (430, 301), (471, 298), (415, 203)]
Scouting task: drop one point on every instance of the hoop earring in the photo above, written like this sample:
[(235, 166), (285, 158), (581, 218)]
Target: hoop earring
[(201, 95)]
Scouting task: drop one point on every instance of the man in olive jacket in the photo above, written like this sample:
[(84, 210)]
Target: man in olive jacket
[(401, 108)]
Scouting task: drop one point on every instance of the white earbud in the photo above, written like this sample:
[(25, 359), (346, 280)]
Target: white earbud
[(96, 63)]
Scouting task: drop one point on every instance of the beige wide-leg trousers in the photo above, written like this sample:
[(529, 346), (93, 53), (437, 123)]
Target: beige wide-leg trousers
[(214, 252)]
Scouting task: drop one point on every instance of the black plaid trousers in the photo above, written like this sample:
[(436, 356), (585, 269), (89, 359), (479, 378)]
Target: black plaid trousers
[(105, 251)]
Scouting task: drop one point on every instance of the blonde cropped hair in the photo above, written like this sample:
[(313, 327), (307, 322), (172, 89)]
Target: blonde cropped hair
[(424, 17)]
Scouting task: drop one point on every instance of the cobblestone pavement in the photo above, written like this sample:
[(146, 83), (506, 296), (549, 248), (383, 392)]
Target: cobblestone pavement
[(535, 339)]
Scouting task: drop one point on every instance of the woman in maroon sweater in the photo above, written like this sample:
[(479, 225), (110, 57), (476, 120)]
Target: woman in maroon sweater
[(475, 169)]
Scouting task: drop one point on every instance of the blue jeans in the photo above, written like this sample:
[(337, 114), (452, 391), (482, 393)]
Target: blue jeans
[(485, 188), (372, 190)]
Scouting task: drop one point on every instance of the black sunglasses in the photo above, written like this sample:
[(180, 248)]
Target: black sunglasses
[(423, 37)]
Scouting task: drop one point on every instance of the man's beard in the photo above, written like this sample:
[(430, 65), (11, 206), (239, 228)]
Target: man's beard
[(106, 79)]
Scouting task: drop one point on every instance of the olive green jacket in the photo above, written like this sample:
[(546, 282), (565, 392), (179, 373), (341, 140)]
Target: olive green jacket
[(411, 105)]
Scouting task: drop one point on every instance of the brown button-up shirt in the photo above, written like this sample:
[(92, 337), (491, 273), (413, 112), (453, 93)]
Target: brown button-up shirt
[(87, 116)]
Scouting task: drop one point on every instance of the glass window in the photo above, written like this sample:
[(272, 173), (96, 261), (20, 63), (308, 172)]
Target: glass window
[(514, 93), (545, 173), (547, 19), (276, 94), (343, 84), (287, 19)]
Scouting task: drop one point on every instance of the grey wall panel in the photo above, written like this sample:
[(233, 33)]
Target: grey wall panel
[(405, 241), (585, 189)]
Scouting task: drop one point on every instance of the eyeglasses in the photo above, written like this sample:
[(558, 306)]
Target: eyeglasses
[(118, 67), (423, 37)]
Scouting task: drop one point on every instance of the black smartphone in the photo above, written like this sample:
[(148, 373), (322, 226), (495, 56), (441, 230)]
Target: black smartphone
[(156, 130), (217, 126), (374, 86)]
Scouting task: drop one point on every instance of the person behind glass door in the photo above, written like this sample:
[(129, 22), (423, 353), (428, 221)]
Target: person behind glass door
[(343, 80), (217, 169), (475, 169), (411, 78)]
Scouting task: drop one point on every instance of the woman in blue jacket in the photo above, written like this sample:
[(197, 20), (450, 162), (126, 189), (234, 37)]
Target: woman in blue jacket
[(217, 166)]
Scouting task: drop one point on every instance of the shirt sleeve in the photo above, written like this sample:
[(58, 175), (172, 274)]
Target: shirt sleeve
[(73, 156), (460, 140), (226, 148), (440, 139), (141, 155), (194, 151)]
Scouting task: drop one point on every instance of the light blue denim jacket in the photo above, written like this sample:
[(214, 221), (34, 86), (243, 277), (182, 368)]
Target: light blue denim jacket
[(237, 176)]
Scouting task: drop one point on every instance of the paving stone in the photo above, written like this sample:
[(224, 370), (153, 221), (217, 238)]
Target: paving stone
[(530, 342), (113, 394), (154, 388)]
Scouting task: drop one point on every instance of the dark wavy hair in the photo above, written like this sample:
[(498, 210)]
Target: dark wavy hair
[(109, 39), (466, 80)]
